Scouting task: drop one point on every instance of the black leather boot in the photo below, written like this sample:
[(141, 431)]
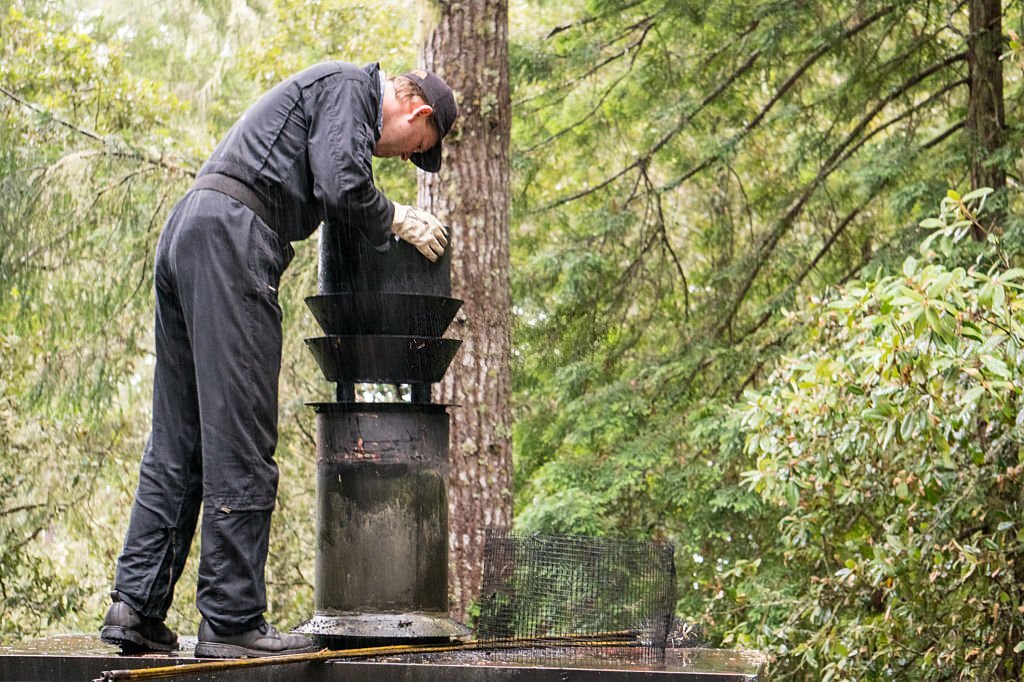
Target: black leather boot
[(134, 633), (263, 640)]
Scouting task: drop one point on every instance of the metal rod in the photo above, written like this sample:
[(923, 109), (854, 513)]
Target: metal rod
[(163, 672)]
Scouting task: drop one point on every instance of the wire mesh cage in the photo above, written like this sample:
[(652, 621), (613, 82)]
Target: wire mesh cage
[(576, 592)]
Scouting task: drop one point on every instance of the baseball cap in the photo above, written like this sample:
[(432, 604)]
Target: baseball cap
[(441, 99)]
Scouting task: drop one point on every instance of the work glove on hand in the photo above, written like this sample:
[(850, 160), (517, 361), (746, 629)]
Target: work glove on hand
[(422, 230)]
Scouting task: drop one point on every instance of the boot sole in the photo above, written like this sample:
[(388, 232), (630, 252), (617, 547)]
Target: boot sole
[(217, 650), (131, 641)]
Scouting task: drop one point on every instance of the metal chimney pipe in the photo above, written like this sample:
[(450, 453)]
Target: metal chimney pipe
[(382, 467)]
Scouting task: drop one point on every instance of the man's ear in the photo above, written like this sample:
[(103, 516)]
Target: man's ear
[(421, 110)]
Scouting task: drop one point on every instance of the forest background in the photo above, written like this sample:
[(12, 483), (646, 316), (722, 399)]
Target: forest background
[(758, 306)]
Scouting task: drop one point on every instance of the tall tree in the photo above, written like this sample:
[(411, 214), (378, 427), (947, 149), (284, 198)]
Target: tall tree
[(468, 46), (986, 119), (739, 157)]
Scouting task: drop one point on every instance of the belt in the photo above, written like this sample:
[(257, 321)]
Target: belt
[(237, 190)]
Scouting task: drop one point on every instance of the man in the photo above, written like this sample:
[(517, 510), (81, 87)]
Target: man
[(301, 155)]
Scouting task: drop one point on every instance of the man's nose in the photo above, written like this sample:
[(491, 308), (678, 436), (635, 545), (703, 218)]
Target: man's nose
[(405, 156)]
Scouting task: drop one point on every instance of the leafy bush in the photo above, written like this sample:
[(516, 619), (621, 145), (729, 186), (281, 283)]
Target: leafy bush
[(892, 444)]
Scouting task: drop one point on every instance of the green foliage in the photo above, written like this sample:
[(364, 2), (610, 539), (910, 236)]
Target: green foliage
[(891, 442), (77, 226), (685, 173), (46, 60), (107, 110)]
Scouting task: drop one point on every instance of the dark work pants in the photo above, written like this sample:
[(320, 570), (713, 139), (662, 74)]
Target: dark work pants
[(218, 356)]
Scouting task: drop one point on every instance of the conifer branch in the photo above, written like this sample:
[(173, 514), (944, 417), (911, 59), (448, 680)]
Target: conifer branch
[(783, 89), (591, 19), (635, 47), (782, 226), (666, 244), (845, 222), (40, 110), (112, 147), (665, 139), (645, 25), (20, 508), (838, 231)]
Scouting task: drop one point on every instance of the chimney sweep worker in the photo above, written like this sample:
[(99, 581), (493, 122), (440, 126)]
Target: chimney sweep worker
[(299, 156)]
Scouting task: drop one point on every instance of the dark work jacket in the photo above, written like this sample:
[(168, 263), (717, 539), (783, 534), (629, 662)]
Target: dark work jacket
[(306, 148)]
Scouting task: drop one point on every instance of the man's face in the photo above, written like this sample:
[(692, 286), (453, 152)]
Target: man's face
[(408, 132)]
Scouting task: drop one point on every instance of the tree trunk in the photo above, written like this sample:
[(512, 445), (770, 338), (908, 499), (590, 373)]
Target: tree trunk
[(985, 117), (467, 45)]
